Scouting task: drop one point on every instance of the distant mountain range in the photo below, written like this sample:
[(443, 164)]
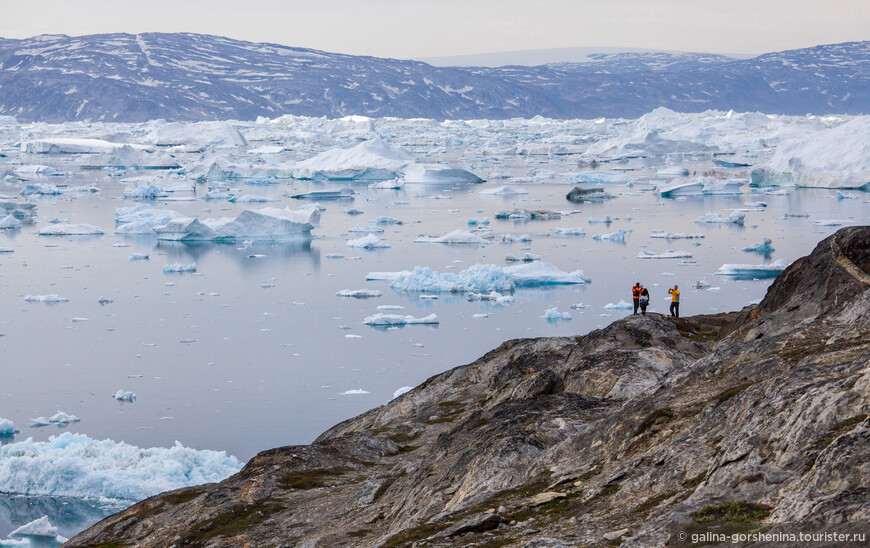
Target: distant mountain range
[(191, 77)]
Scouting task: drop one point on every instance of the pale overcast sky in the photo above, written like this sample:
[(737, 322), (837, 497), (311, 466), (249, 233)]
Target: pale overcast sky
[(427, 28)]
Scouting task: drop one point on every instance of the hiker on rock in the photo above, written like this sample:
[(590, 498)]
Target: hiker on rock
[(675, 301), (644, 300), (635, 295)]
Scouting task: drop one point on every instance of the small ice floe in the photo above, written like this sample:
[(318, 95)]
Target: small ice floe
[(846, 195), (526, 258), (359, 293), (77, 320), (145, 192), (674, 235), (39, 533), (618, 236), (736, 218), (354, 392), (701, 284), (367, 230), (64, 229), (334, 256), (527, 215), (763, 247), (251, 199), (510, 238), (621, 305), (398, 320), (579, 306), (394, 184), (7, 428), (492, 296), (750, 272), (753, 206), (139, 256), (41, 190), (179, 268), (124, 396), (606, 220), (6, 250), (390, 307), (218, 194), (50, 299), (455, 237), (572, 231), (369, 241), (402, 390), (386, 220), (10, 222), (480, 316), (553, 315), (62, 418), (504, 191), (352, 211), (326, 194), (353, 337), (833, 222), (646, 254)]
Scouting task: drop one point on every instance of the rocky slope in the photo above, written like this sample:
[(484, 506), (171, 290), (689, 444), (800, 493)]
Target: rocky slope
[(630, 434)]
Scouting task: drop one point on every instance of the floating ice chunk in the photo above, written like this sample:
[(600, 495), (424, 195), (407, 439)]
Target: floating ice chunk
[(672, 171), (529, 215), (736, 218), (553, 314), (64, 229), (398, 320), (218, 194), (645, 254), (145, 192), (94, 469), (846, 195), (7, 427), (753, 206), (618, 236), (477, 278), (122, 395), (63, 418), (704, 186), (572, 231), (402, 390), (40, 190), (35, 169), (369, 241), (621, 305), (326, 194), (674, 235), (359, 293), (71, 145), (504, 191), (579, 306), (179, 267), (353, 211), (127, 156), (39, 422), (395, 184), (437, 174), (606, 220), (142, 218), (46, 299), (354, 392), (455, 237), (213, 134), (138, 256), (510, 238), (251, 199), (390, 307), (492, 296), (602, 177), (39, 533), (833, 222), (267, 224), (79, 320), (542, 273), (10, 222), (527, 257), (749, 271), (765, 247), (384, 220), (105, 300), (367, 229), (372, 160)]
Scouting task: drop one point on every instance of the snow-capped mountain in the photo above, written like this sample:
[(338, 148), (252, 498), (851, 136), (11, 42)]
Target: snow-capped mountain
[(187, 77)]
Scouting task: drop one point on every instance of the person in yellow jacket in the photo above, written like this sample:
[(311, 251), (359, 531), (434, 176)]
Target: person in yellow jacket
[(675, 300)]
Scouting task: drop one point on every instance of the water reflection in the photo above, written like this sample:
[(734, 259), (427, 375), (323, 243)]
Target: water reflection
[(68, 514)]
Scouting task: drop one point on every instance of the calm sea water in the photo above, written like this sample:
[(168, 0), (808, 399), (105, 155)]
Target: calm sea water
[(254, 350)]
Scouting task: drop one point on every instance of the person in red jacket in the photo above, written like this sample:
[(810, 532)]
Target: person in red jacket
[(635, 295)]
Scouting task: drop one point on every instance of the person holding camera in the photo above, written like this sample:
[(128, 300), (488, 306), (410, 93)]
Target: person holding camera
[(674, 292)]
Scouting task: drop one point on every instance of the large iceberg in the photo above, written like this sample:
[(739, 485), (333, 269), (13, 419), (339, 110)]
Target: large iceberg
[(39, 533), (129, 157), (437, 174), (72, 145), (704, 186), (267, 224), (479, 278), (75, 465), (372, 160), (142, 219)]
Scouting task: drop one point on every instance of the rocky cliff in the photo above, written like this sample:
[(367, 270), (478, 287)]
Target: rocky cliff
[(635, 434)]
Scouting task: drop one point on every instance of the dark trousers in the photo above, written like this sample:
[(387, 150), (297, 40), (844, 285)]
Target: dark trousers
[(675, 310), (636, 303)]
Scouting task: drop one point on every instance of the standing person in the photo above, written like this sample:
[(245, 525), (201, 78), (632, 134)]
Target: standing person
[(635, 295), (644, 300), (675, 301)]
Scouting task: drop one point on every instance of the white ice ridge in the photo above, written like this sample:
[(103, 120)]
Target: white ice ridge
[(65, 229), (479, 278), (398, 319), (75, 465), (646, 254), (455, 237), (359, 293), (752, 271), (267, 224), (370, 241)]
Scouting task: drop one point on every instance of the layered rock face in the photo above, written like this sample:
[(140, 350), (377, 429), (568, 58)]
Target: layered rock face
[(627, 434)]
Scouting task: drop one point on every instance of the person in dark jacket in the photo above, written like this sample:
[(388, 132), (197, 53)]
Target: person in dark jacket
[(643, 301), (635, 295)]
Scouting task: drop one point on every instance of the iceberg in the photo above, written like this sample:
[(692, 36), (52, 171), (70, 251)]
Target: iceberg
[(580, 195), (325, 194), (127, 156), (605, 221), (573, 231), (455, 237), (72, 145), (267, 224), (124, 396), (39, 533), (621, 305), (436, 174), (7, 427), (10, 222), (40, 190), (735, 218), (251, 199), (23, 211), (395, 184), (359, 293), (503, 191), (372, 160), (384, 220), (369, 241), (704, 186), (618, 236), (602, 178), (179, 268), (145, 192), (75, 465), (541, 273), (63, 418), (764, 247), (553, 315), (478, 278), (645, 254), (492, 296), (674, 235), (213, 134), (65, 229), (398, 320), (46, 299), (749, 271), (142, 219), (525, 215)]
